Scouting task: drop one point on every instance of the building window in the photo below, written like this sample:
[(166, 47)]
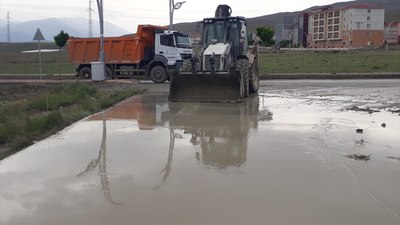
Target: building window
[(321, 22), (315, 17), (337, 13), (330, 28), (315, 29), (315, 36), (336, 28), (330, 14), (330, 21), (368, 26), (321, 36), (321, 29), (315, 23), (368, 18), (336, 35), (337, 21), (330, 35), (369, 10), (321, 16)]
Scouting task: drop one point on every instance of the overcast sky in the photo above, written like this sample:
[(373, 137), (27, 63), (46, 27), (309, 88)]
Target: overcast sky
[(129, 13)]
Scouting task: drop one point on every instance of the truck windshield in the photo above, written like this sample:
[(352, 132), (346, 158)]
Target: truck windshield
[(182, 40)]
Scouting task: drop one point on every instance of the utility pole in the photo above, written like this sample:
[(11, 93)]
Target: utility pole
[(101, 18), (8, 27), (90, 11)]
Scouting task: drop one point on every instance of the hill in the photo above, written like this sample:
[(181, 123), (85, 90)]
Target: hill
[(392, 9), (24, 31)]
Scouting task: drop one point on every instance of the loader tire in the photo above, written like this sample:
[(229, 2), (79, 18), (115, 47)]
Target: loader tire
[(158, 74), (243, 65), (186, 66), (85, 73), (254, 79)]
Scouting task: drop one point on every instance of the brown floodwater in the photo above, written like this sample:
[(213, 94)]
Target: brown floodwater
[(283, 157)]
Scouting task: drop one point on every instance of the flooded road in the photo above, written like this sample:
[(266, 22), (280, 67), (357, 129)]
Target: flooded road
[(291, 155)]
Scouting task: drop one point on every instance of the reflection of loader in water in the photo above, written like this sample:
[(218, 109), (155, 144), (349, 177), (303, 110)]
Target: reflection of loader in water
[(221, 131), (101, 163)]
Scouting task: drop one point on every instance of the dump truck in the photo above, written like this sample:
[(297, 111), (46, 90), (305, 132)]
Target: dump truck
[(225, 69), (153, 51)]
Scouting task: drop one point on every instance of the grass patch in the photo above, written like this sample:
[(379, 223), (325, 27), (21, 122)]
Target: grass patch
[(28, 63), (354, 61), (24, 121)]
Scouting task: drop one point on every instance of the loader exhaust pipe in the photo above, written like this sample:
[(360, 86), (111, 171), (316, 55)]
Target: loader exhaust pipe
[(223, 11)]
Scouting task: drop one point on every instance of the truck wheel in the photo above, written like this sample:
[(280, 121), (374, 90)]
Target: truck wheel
[(158, 74), (254, 79), (243, 65), (85, 73), (109, 73)]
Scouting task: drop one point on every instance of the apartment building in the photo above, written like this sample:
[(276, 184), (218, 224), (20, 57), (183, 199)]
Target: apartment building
[(354, 26)]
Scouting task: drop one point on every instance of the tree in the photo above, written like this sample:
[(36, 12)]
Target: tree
[(266, 34), (61, 39)]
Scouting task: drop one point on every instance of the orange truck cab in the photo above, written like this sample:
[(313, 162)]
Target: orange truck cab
[(153, 51)]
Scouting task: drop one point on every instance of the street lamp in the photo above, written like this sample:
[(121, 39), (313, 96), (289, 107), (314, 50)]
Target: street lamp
[(172, 7), (101, 19), (306, 39), (387, 35), (290, 39)]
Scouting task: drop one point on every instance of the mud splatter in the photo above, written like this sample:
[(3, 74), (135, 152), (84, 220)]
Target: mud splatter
[(359, 157)]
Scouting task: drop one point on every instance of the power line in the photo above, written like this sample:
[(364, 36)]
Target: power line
[(236, 11), (90, 11)]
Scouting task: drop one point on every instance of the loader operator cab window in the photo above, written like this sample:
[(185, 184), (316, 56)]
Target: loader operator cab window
[(167, 40), (234, 38), (214, 32)]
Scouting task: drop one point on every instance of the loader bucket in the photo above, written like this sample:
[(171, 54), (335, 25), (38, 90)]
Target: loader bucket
[(201, 87)]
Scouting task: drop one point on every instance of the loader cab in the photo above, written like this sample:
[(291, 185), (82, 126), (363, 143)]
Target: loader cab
[(231, 30)]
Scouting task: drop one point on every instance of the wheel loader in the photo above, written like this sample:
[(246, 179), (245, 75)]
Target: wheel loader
[(225, 69)]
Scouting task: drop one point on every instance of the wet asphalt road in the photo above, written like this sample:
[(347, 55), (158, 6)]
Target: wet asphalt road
[(286, 156)]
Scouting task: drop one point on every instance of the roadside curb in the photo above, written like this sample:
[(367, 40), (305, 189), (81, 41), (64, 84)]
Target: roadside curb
[(272, 76), (335, 76), (37, 77)]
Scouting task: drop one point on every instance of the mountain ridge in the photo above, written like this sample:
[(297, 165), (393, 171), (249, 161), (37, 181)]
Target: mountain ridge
[(24, 31)]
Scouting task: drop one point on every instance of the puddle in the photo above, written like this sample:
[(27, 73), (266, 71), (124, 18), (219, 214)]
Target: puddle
[(272, 159)]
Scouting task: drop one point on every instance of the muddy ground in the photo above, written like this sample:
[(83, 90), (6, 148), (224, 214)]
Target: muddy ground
[(300, 152)]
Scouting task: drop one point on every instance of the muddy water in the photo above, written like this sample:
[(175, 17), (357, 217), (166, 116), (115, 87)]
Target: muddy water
[(278, 158)]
